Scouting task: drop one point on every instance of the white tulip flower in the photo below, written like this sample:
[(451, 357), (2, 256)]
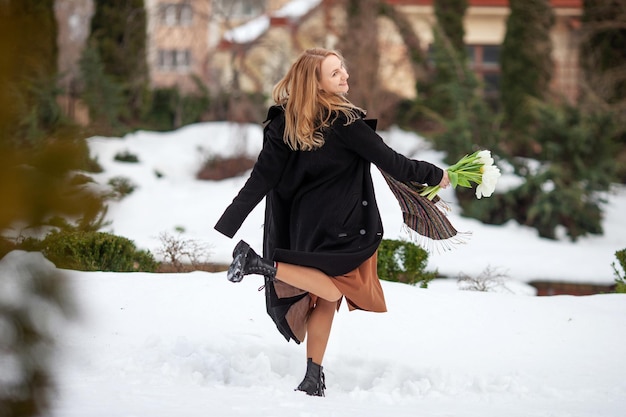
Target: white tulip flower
[(484, 157), (477, 168), (491, 173)]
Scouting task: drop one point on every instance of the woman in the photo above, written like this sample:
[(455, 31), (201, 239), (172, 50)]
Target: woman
[(322, 225)]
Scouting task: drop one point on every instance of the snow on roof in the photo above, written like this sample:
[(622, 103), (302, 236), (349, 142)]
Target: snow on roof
[(297, 8), (249, 31), (256, 27)]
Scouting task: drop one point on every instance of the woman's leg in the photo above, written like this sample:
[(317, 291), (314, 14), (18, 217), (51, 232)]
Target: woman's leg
[(321, 319), (318, 329), (246, 261), (308, 279)]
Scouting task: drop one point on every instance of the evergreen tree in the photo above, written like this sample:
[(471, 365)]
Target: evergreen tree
[(603, 50), (102, 95), (454, 93), (449, 14), (448, 35), (575, 161), (449, 58), (35, 186), (525, 60), (603, 66), (118, 32), (27, 78), (574, 146)]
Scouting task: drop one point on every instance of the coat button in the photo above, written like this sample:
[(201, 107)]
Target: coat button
[(364, 202), (362, 231)]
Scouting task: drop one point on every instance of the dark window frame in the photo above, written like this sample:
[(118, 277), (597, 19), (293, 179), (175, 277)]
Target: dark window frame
[(174, 59), (176, 14)]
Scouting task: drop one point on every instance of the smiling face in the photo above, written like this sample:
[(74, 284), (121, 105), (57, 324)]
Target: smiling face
[(333, 75)]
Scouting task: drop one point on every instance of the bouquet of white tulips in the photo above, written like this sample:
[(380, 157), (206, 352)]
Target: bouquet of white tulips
[(423, 210), (476, 168)]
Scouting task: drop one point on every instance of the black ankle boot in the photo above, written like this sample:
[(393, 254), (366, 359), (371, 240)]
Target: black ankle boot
[(246, 261), (314, 382)]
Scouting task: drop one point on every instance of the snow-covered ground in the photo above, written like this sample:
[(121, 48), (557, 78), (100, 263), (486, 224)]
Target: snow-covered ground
[(163, 345), (156, 345)]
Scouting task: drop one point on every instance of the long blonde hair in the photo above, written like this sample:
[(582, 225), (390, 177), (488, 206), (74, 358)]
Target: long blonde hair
[(308, 109)]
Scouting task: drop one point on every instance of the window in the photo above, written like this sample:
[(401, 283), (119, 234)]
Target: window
[(178, 14), (174, 59), (186, 14), (241, 8), (491, 54), (485, 62)]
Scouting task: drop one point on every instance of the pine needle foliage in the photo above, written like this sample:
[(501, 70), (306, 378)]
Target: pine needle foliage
[(170, 108), (455, 101), (93, 251), (449, 14), (118, 32), (603, 63), (449, 58), (526, 64), (101, 93), (402, 261), (28, 65), (602, 46), (38, 154), (576, 165)]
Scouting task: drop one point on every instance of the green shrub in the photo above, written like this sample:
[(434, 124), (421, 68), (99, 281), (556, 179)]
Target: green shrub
[(620, 278), (122, 186), (92, 251), (401, 261), (170, 108), (126, 156), (576, 155)]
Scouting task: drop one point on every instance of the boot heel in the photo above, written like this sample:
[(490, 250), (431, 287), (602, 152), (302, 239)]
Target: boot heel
[(246, 261), (236, 269), (314, 382)]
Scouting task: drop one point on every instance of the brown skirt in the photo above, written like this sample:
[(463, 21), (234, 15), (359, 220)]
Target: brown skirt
[(360, 287)]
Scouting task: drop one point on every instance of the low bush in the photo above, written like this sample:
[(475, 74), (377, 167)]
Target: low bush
[(489, 280), (402, 261), (122, 187), (182, 254), (92, 251), (170, 108), (126, 156)]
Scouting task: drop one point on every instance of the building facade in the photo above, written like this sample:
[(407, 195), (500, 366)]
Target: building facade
[(246, 45), (184, 38), (256, 61)]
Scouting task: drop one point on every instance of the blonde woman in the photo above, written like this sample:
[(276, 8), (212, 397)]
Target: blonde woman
[(322, 225)]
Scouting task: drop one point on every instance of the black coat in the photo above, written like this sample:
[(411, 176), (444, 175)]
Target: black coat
[(321, 208)]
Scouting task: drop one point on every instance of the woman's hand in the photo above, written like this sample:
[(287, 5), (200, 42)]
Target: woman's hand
[(445, 181)]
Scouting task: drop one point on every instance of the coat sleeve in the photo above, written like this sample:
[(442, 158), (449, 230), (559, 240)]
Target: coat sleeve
[(265, 174), (363, 140)]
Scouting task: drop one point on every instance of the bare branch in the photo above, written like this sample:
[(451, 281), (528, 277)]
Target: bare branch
[(487, 281)]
